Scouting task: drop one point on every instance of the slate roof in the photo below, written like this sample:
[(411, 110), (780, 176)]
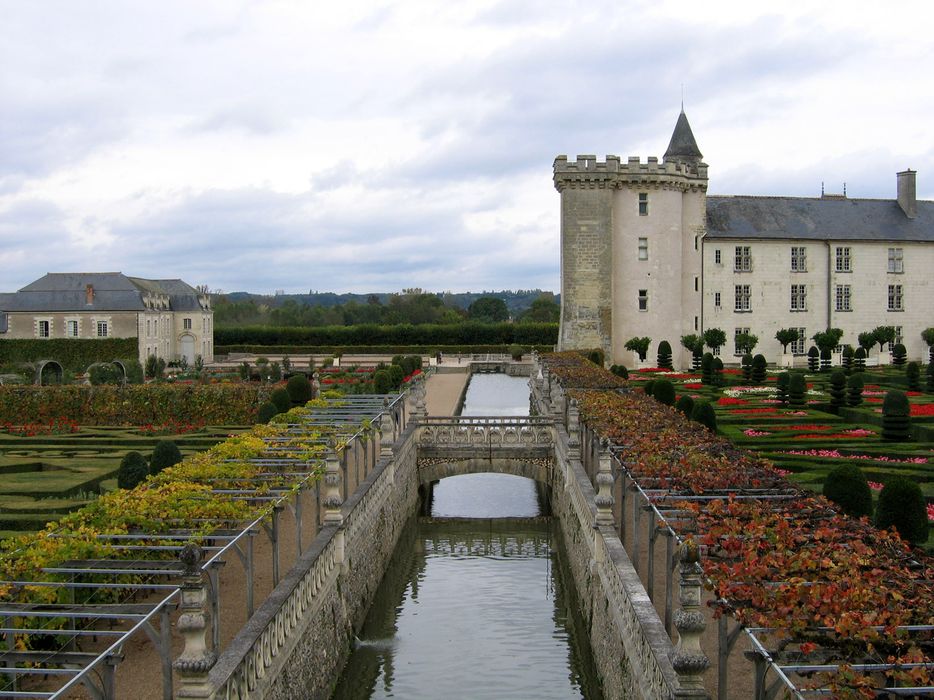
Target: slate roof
[(113, 291), (683, 146), (740, 216)]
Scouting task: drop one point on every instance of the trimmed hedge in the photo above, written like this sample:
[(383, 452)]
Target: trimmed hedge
[(846, 486), (74, 354), (369, 349), (164, 454), (470, 333), (134, 404), (133, 470), (901, 504)]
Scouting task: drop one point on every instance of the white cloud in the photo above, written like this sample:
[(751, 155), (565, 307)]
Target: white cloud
[(375, 146)]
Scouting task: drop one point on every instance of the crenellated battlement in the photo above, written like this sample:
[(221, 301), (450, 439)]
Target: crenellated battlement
[(613, 173)]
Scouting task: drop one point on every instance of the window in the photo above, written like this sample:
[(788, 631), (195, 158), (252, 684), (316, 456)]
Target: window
[(799, 261), (643, 204), (797, 347), (186, 324), (695, 242), (742, 298), (843, 259), (896, 263), (737, 348), (643, 300), (71, 329), (43, 327), (716, 257), (895, 298), (843, 297), (696, 323), (102, 329), (643, 249), (743, 261), (716, 299), (696, 283), (898, 338), (799, 297)]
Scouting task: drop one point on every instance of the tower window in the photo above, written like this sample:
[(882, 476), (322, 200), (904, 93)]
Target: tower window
[(643, 204), (643, 249), (643, 300)]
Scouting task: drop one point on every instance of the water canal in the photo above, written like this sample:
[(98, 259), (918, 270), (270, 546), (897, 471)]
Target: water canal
[(479, 607)]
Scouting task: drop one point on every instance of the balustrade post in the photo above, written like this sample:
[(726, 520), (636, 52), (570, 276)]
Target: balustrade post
[(387, 431), (604, 498), (688, 659), (196, 660), (574, 425), (333, 499), (420, 391)]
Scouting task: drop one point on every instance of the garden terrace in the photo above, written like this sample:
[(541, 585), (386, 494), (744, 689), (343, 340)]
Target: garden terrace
[(828, 604), (72, 596)]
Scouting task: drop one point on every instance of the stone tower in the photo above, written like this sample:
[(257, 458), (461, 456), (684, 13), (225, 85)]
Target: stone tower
[(630, 248)]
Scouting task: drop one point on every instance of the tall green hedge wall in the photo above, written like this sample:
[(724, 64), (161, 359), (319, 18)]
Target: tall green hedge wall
[(134, 404), (74, 354), (470, 333)]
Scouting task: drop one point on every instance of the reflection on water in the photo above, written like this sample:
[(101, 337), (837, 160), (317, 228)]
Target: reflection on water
[(475, 610), (471, 611)]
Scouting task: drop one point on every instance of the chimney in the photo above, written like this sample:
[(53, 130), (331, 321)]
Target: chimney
[(907, 193), (89, 293)]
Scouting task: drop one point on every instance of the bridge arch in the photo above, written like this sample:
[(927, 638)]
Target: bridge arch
[(538, 469)]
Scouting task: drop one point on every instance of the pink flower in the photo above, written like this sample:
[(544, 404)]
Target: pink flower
[(874, 485), (755, 433)]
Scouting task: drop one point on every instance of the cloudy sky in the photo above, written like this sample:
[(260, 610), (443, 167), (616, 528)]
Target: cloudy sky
[(371, 146)]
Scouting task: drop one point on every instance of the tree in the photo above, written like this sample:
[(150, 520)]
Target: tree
[(639, 345), (664, 355), (692, 343), (714, 338), (543, 310), (746, 342), (828, 339), (866, 340), (152, 367), (786, 336), (488, 310), (883, 335)]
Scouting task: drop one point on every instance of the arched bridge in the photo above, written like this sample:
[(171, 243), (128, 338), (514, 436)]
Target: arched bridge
[(518, 445)]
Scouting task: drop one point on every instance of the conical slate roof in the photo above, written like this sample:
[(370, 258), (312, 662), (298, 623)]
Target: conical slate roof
[(682, 145)]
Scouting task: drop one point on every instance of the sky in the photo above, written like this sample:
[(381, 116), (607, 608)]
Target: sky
[(375, 146)]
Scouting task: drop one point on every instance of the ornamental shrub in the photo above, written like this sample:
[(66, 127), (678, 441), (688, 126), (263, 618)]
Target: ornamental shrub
[(859, 360), (697, 358), (664, 392), (838, 390), (746, 365), (133, 470), (896, 416), (639, 345), (825, 358), (704, 414), (275, 372), (758, 369), (299, 390), (266, 411), (930, 377), (664, 355), (134, 371), (649, 387), (813, 359), (105, 373), (707, 368), (382, 382), (797, 390), (620, 371), (901, 503), (913, 376), (899, 354), (717, 371), (243, 369), (596, 356), (282, 399), (847, 358), (396, 375), (164, 454), (854, 389), (685, 404), (846, 486), (781, 384), (516, 352)]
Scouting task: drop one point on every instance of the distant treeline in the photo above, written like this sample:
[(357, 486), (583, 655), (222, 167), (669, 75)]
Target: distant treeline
[(427, 334), (412, 306)]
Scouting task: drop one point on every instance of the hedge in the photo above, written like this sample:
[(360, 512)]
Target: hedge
[(134, 404), (74, 354), (220, 350), (428, 334)]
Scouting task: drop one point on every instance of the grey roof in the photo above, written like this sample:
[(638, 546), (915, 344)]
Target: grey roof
[(682, 145), (816, 219), (113, 291)]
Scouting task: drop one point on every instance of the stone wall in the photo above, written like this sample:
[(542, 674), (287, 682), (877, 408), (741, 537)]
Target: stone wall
[(299, 639)]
